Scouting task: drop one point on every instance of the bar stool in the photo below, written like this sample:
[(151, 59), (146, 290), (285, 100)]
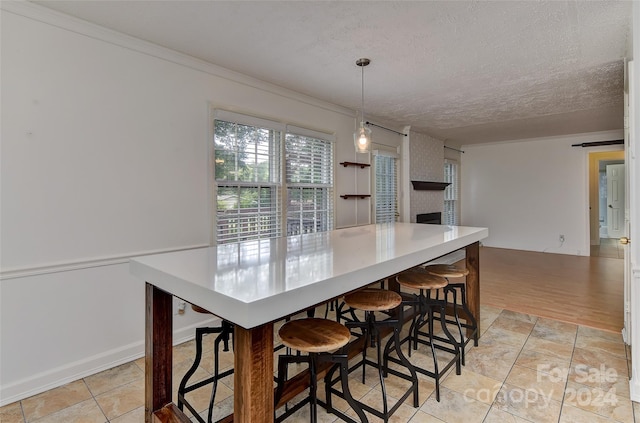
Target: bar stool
[(224, 331), (317, 337), (450, 271), (424, 308), (371, 301), (346, 312)]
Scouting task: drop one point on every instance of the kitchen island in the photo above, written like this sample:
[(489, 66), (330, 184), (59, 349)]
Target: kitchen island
[(254, 283)]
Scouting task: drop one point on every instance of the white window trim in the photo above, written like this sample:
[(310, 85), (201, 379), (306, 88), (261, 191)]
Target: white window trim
[(296, 130), (385, 153), (248, 120)]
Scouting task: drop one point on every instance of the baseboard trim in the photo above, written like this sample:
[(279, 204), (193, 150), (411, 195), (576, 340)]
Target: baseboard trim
[(70, 372)]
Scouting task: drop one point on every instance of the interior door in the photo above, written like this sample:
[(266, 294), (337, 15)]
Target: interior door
[(615, 200)]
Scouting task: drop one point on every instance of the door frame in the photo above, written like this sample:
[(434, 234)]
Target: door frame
[(594, 158), (621, 182)]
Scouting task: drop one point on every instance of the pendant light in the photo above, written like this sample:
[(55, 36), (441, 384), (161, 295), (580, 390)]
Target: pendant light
[(362, 137)]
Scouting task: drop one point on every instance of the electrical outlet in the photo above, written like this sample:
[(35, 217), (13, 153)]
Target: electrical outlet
[(561, 238), (179, 306)]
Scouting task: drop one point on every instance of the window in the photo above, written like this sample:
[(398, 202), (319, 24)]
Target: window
[(386, 186), (253, 186), (451, 214), (248, 177), (309, 179)]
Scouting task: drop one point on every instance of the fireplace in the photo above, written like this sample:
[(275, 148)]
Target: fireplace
[(430, 218)]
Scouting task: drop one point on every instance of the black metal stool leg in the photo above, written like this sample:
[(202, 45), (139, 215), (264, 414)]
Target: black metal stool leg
[(385, 406), (327, 387), (224, 338), (395, 339), (344, 379), (283, 369), (372, 336), (457, 346), (200, 332), (342, 360), (313, 388), (465, 307), (456, 318), (433, 352), (367, 336), (224, 332)]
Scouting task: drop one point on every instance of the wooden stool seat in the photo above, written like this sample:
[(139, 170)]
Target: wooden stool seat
[(447, 270), (373, 299), (314, 335), (199, 309), (420, 279)]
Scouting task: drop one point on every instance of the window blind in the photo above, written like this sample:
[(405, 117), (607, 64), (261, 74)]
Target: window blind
[(271, 178), (451, 213), (386, 186), (248, 177), (309, 181)]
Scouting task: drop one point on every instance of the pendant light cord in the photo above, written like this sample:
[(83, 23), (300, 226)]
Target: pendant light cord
[(362, 92), (362, 63)]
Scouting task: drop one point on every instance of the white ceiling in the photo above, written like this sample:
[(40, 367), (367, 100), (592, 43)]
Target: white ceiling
[(463, 71)]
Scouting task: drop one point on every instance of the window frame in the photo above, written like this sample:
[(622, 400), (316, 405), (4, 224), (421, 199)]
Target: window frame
[(325, 188), (279, 184)]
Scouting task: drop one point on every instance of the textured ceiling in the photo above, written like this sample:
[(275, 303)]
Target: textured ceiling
[(465, 71)]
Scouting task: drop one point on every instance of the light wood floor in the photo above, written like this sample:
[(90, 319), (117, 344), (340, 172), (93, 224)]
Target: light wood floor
[(576, 289), (609, 247)]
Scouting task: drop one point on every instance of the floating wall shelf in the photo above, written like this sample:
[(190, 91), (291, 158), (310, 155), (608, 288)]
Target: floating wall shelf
[(347, 196), (362, 165), (429, 186)]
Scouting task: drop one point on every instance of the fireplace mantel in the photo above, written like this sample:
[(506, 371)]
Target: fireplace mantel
[(429, 185)]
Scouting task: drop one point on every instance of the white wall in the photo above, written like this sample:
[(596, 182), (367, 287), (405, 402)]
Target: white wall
[(104, 156), (528, 192)]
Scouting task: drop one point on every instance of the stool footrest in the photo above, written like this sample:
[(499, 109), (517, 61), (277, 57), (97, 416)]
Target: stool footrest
[(426, 372), (293, 409), (366, 407), (338, 412), (436, 345), (225, 332), (207, 381)]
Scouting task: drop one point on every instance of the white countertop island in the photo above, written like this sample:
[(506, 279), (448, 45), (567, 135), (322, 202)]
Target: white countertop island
[(254, 283)]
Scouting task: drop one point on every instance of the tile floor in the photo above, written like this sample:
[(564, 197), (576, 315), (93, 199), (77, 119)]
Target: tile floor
[(526, 369)]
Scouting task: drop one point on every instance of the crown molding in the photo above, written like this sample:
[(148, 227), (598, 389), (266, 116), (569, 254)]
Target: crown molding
[(79, 26), (612, 134)]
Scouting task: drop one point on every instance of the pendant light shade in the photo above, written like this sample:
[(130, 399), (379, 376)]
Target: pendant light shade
[(362, 137)]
